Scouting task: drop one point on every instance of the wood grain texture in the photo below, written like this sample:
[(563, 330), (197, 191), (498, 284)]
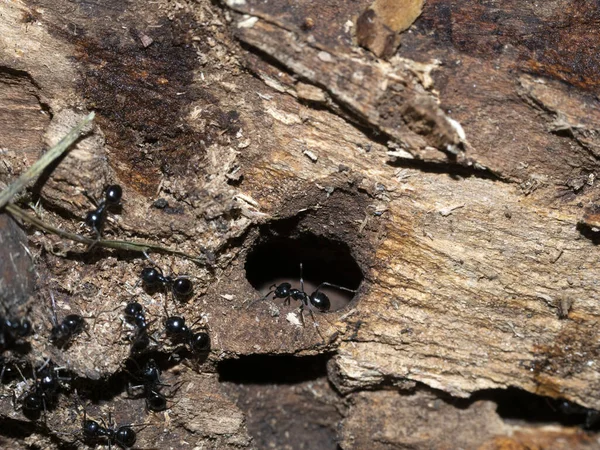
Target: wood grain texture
[(478, 272)]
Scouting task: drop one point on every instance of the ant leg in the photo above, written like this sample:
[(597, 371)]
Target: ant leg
[(316, 324), (174, 354), (164, 304), (301, 309), (93, 244), (55, 323), (312, 316), (301, 279), (92, 200), (46, 362), (15, 401), (2, 373), (59, 378), (95, 317), (260, 299), (132, 388), (152, 339), (45, 412), (205, 326), (85, 326)]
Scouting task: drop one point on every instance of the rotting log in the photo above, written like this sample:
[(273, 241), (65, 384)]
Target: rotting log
[(459, 175)]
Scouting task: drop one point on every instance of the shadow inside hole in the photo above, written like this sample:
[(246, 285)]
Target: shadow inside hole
[(277, 260)]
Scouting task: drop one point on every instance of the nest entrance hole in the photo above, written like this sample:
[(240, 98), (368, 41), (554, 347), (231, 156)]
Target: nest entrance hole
[(276, 259)]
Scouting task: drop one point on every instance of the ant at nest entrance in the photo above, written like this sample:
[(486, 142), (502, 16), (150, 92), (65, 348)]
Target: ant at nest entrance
[(317, 271)]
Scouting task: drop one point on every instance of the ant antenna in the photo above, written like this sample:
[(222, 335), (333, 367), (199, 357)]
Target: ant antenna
[(91, 199), (164, 304), (21, 373), (43, 366), (301, 279), (326, 284), (145, 253), (272, 289), (53, 308), (191, 327)]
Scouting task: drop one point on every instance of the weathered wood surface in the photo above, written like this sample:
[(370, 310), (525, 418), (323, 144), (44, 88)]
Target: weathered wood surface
[(478, 271)]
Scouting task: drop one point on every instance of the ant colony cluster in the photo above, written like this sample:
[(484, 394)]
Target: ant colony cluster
[(45, 382), (38, 387)]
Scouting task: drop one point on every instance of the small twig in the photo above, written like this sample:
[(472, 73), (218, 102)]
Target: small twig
[(38, 167), (17, 212)]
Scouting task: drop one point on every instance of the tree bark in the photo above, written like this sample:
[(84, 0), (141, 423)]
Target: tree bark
[(459, 175)]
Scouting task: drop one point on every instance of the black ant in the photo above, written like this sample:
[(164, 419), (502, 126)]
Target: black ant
[(151, 384), (152, 277), (134, 314), (112, 197), (179, 332), (43, 394), (123, 436), (12, 330), (317, 300), (180, 286), (62, 333)]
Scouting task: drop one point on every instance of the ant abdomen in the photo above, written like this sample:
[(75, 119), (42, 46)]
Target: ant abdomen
[(182, 287), (113, 194), (200, 342), (320, 301)]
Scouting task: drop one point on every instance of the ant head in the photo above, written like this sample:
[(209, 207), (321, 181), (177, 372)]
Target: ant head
[(125, 436), (8, 369), (24, 329), (283, 290), (70, 326), (113, 194), (151, 276), (91, 429), (320, 301), (132, 309), (17, 328), (155, 401)]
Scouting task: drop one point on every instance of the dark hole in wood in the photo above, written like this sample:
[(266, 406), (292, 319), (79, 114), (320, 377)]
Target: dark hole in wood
[(287, 400), (273, 369), (277, 259), (519, 405)]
